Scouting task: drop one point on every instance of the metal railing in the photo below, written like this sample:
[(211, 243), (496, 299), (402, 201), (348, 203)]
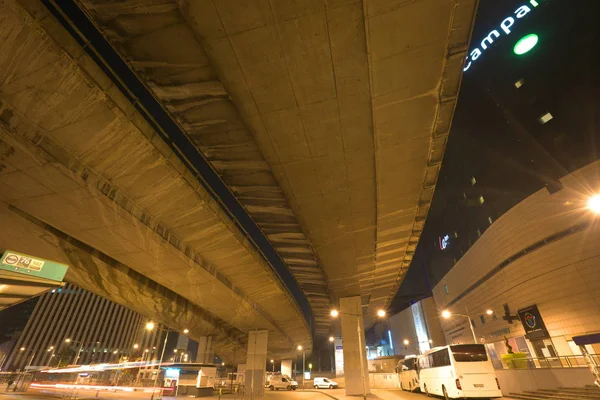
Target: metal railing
[(576, 361)]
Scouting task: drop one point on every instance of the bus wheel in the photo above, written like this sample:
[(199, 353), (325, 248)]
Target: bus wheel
[(445, 393), (426, 390), (272, 387)]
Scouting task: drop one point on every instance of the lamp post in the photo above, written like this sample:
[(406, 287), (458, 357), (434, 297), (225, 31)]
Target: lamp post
[(300, 348), (380, 313), (150, 327), (446, 314), (273, 365), (81, 344)]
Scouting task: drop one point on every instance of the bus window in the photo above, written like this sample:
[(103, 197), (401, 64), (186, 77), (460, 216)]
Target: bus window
[(469, 352)]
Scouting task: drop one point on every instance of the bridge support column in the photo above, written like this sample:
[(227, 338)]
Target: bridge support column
[(356, 370), (206, 350), (256, 361)]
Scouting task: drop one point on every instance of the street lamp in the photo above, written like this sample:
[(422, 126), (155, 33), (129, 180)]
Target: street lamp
[(149, 327), (300, 348), (380, 313), (331, 339), (593, 204), (81, 344), (447, 315), (186, 331), (489, 312), (273, 365)]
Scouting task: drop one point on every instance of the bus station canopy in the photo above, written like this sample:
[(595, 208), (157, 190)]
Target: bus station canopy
[(23, 276)]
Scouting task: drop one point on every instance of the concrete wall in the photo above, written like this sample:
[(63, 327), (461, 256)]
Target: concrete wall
[(383, 381), (517, 381), (560, 276), (402, 326)]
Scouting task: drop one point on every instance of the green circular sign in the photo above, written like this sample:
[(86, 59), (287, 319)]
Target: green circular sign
[(526, 43)]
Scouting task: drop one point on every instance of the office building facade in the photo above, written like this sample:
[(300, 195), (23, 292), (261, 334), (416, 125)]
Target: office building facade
[(73, 326)]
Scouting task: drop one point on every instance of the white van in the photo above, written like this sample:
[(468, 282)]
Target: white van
[(277, 382), (324, 383)]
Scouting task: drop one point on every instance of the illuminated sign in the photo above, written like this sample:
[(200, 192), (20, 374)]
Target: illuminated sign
[(505, 26), (444, 241), (525, 44)]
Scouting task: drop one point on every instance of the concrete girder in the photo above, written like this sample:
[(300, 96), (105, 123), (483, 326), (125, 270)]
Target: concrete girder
[(77, 156), (184, 79)]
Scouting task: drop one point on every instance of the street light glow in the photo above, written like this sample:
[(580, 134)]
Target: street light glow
[(594, 204), (310, 366), (525, 44), (272, 361), (381, 313), (67, 340), (489, 312), (135, 346), (149, 326), (331, 338), (22, 349), (334, 313), (446, 314), (186, 331), (406, 342), (299, 347)]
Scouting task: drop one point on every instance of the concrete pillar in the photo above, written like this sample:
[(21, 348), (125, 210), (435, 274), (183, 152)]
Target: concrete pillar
[(206, 350), (286, 367), (353, 338), (256, 361)]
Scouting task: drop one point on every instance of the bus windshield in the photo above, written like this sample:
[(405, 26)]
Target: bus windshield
[(469, 352)]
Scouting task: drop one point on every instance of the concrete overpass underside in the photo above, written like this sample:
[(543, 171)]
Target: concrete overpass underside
[(326, 119), (77, 159)]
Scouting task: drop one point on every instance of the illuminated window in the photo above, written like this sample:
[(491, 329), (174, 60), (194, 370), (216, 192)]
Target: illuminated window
[(464, 195), (446, 289), (481, 199), (478, 233), (490, 220), (546, 118), (519, 83), (473, 181)]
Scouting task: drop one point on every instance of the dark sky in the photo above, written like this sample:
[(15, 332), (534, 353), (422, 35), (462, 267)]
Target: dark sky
[(496, 133)]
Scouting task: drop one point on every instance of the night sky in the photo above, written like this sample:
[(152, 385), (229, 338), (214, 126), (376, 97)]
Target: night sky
[(496, 135)]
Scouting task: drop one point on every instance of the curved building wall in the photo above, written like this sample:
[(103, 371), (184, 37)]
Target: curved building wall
[(544, 252)]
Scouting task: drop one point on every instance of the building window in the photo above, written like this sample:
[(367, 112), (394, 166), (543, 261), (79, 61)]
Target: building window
[(464, 195), (446, 289), (519, 83), (481, 199), (490, 220), (473, 181), (478, 233), (546, 118)]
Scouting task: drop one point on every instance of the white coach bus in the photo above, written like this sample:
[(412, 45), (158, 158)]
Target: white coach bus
[(461, 371), (408, 373)]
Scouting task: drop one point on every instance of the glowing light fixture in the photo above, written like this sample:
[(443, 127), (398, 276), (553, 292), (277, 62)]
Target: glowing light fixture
[(299, 347), (331, 338), (150, 326), (334, 313), (594, 204), (446, 314), (381, 313), (489, 312), (526, 44)]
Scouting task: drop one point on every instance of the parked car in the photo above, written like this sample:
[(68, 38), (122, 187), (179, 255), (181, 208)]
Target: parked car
[(324, 383), (277, 382)]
